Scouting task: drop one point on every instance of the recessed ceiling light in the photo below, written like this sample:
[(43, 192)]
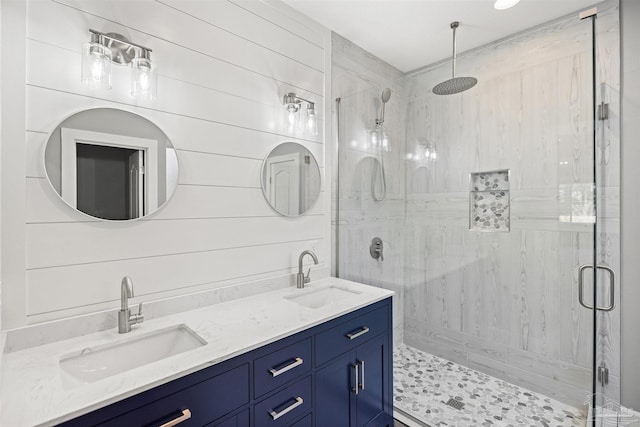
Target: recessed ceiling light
[(505, 4)]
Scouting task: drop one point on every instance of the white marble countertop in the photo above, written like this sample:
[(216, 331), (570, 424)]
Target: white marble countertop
[(32, 386)]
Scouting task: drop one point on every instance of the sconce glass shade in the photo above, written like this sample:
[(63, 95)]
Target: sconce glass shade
[(293, 118), (144, 78), (96, 66), (312, 120)]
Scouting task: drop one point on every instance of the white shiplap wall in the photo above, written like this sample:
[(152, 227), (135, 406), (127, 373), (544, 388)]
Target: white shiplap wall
[(223, 68)]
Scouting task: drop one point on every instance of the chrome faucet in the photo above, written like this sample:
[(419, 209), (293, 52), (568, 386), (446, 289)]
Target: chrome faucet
[(301, 279), (125, 318)]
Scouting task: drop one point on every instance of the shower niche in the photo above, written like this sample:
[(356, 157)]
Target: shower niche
[(489, 201)]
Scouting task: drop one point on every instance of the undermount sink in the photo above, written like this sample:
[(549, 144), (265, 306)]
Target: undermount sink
[(95, 363), (322, 297)]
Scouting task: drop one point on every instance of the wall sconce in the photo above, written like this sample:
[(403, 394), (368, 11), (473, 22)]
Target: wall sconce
[(293, 104), (103, 49)]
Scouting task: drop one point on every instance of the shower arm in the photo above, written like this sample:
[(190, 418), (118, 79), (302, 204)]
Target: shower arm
[(454, 25)]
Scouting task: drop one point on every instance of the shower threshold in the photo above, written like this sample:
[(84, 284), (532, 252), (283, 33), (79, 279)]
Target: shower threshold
[(432, 391)]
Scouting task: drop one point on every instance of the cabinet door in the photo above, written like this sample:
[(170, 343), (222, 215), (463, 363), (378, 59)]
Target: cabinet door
[(335, 400), (371, 359)]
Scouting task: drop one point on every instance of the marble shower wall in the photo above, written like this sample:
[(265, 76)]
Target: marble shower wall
[(505, 303), (358, 78)]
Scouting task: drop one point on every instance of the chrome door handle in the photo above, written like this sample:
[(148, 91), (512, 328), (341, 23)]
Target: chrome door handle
[(361, 384), (186, 414), (297, 362), (354, 335), (355, 370), (612, 280), (275, 415)]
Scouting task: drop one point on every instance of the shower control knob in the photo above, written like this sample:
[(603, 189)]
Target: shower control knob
[(376, 249)]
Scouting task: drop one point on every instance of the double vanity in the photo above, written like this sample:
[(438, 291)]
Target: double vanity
[(319, 356)]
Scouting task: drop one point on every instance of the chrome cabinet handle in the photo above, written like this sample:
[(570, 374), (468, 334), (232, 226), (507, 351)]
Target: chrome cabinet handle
[(612, 280), (186, 414), (354, 335), (275, 415), (354, 389), (361, 384), (297, 362)]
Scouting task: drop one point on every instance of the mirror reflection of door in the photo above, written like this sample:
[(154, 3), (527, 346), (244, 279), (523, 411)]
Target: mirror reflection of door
[(110, 182), (109, 176), (283, 183)]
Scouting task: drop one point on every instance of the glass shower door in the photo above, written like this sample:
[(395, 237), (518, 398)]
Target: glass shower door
[(604, 302)]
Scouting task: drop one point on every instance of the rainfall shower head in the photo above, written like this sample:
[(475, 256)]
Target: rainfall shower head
[(386, 95), (454, 84)]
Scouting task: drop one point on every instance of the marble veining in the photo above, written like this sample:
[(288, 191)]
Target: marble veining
[(32, 378), (439, 392)]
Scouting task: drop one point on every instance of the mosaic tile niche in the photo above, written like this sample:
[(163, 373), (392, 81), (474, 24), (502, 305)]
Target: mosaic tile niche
[(489, 201)]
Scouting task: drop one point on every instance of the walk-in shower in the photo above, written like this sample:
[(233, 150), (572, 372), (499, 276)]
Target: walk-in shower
[(488, 326)]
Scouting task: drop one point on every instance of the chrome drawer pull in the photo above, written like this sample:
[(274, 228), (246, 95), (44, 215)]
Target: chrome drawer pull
[(275, 415), (186, 414), (297, 362), (354, 335)]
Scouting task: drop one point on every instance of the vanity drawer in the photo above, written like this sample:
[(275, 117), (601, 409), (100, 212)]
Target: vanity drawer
[(284, 407), (280, 367), (204, 402), (348, 335)]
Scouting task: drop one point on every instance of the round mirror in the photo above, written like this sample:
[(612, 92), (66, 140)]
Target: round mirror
[(290, 179), (111, 164)]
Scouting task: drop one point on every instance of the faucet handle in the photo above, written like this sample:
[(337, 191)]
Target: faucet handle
[(306, 278), (137, 318)]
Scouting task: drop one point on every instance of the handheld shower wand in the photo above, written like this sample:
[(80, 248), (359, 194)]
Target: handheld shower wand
[(386, 95)]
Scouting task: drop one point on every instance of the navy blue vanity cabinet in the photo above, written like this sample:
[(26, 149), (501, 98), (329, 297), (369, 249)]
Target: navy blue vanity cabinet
[(336, 374), (354, 388)]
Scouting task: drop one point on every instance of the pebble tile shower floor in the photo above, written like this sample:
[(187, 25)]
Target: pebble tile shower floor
[(424, 383)]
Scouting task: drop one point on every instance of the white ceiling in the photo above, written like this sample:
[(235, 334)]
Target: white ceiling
[(411, 34)]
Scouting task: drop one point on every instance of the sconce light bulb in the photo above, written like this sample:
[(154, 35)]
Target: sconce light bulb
[(96, 68), (144, 77), (312, 125)]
